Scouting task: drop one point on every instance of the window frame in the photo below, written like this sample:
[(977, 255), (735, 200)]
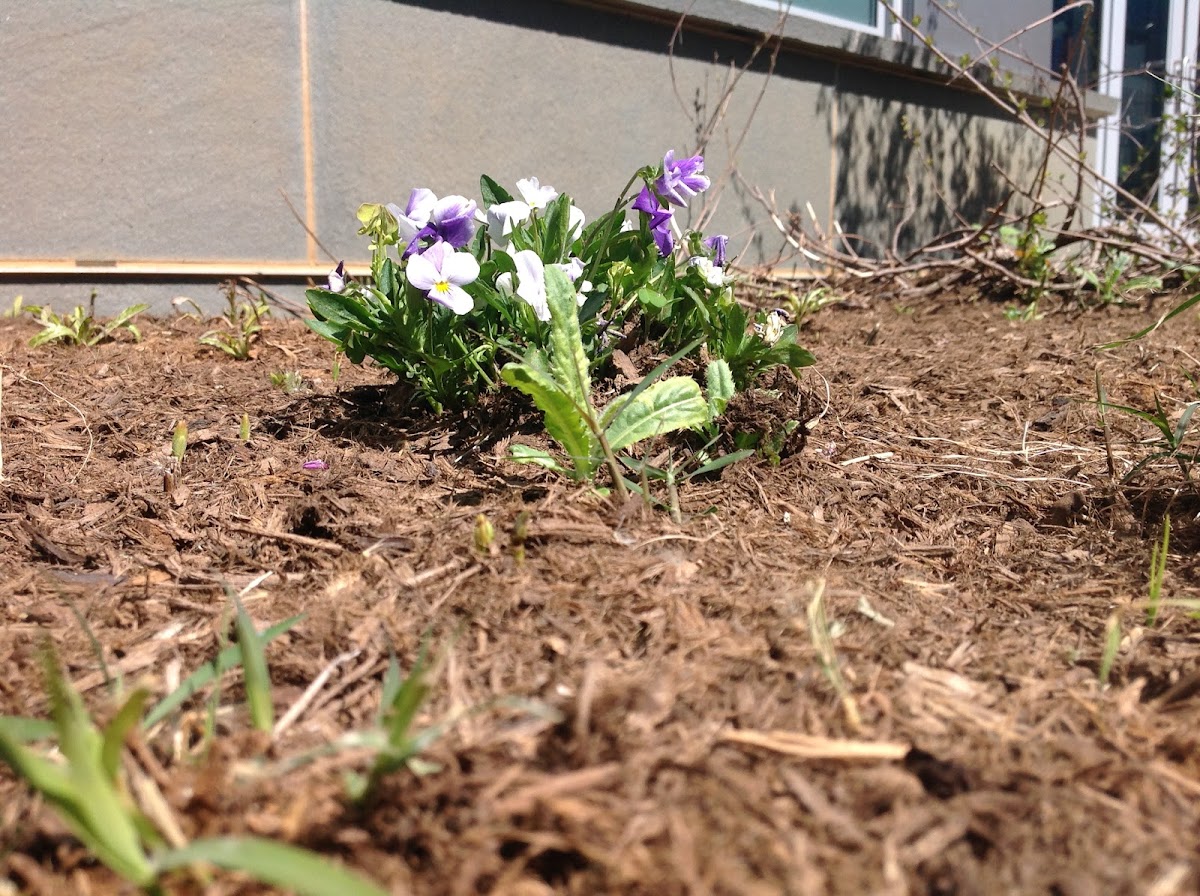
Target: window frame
[(879, 29)]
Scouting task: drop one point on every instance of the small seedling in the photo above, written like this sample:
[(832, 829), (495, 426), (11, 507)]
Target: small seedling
[(822, 638), (87, 790), (289, 381), (244, 429), (16, 309), (1172, 444), (484, 535), (1158, 568), (243, 317), (80, 327), (520, 534)]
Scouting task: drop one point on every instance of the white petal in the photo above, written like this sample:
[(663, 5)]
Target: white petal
[(535, 194), (531, 287), (420, 206), (575, 222), (455, 298), (504, 284), (421, 273), (460, 268)]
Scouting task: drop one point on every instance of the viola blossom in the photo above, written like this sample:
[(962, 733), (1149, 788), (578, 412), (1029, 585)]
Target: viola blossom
[(337, 277), (536, 196), (719, 245), (713, 275), (681, 179), (503, 217), (659, 219), (531, 282), (574, 268), (441, 273), (429, 220)]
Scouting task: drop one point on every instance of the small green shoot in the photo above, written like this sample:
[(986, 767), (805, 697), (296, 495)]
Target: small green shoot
[(244, 429), (484, 534), (1158, 568), (822, 639), (1112, 646), (393, 740), (520, 534), (80, 327), (179, 442), (87, 790), (1172, 444), (254, 669), (16, 309), (243, 318), (290, 381)]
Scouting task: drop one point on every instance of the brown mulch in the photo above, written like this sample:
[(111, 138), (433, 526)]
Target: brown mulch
[(639, 707)]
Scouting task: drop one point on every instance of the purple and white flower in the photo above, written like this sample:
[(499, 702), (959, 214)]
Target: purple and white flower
[(429, 220), (659, 218), (719, 244), (681, 179), (337, 277), (441, 273), (713, 275)]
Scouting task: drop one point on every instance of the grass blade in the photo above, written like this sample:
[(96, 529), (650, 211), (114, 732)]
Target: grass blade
[(254, 669), (278, 864), (208, 673)]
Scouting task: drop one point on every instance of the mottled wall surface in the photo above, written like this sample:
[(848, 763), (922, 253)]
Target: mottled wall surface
[(170, 130)]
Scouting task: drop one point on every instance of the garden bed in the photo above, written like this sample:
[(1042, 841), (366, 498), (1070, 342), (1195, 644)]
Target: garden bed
[(639, 706)]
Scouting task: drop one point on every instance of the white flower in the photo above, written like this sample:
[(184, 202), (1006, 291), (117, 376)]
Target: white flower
[(773, 328), (531, 282), (337, 277), (503, 217), (713, 275), (573, 268), (575, 220), (441, 273), (535, 195)]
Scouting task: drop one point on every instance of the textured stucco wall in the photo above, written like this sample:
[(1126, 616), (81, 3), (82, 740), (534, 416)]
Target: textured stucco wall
[(167, 129)]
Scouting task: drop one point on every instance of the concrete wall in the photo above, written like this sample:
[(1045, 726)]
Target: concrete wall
[(170, 130)]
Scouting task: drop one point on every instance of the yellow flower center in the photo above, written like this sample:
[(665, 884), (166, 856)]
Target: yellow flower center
[(442, 286)]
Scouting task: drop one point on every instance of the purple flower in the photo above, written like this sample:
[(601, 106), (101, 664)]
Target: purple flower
[(659, 220), (428, 220), (315, 465), (718, 244), (453, 220), (681, 180), (337, 277)]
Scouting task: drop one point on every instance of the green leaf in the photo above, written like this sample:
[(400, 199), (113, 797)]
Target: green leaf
[(277, 864), (523, 454), (340, 309), (254, 669), (113, 738), (554, 240), (227, 659), (24, 730), (492, 193), (568, 363), (564, 422), (720, 386), (666, 406), (1178, 309)]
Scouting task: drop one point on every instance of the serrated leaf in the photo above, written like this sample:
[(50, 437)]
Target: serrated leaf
[(719, 379), (564, 423), (568, 363), (668, 405)]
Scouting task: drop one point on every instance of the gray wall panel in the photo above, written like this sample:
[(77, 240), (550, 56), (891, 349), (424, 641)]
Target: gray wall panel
[(150, 128)]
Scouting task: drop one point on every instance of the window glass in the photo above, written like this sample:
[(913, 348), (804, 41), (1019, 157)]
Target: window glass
[(861, 11)]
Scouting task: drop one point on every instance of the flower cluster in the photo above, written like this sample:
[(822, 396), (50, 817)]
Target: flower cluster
[(456, 285)]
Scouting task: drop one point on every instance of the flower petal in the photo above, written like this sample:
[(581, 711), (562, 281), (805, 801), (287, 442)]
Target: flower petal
[(420, 206), (422, 272), (455, 298), (460, 268)]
